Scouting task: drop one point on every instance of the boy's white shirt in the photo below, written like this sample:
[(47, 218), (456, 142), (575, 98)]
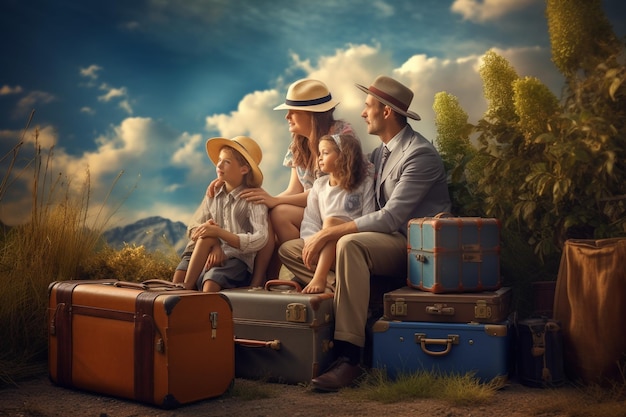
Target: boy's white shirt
[(233, 213)]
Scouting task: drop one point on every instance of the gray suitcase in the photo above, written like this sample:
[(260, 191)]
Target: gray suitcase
[(411, 304), (281, 334)]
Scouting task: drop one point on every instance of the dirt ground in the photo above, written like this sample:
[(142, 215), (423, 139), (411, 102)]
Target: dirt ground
[(41, 398)]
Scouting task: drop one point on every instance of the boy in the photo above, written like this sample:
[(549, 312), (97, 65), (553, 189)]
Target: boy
[(227, 231)]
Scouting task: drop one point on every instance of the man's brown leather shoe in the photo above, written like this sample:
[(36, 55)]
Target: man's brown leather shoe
[(340, 375)]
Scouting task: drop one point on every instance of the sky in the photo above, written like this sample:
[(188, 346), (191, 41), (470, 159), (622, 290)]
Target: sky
[(126, 93)]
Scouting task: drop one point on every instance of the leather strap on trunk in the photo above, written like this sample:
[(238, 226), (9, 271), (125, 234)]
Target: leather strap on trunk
[(144, 346), (63, 331)]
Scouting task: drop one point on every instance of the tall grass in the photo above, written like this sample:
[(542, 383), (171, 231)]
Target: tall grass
[(59, 235)]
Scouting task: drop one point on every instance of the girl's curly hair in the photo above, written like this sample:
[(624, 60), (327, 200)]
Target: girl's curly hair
[(351, 164)]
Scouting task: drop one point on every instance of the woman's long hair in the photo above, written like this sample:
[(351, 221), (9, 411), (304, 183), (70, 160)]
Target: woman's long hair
[(305, 150)]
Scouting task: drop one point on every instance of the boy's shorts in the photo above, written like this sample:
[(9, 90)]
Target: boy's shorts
[(234, 273), (183, 265)]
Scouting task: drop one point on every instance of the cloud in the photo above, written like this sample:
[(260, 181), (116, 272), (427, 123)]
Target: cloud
[(190, 155), (87, 110), (116, 93), (31, 101), (487, 10), (131, 25), (91, 71), (125, 105), (111, 93), (254, 117), (385, 9), (6, 90)]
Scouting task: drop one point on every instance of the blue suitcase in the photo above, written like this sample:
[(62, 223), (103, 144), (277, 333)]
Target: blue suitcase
[(402, 347), (454, 254)]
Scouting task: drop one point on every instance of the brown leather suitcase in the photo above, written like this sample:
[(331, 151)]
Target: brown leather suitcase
[(281, 334), (151, 342), (410, 304)]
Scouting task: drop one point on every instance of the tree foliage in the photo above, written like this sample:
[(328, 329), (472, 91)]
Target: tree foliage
[(580, 35), (454, 146), (498, 76), (452, 128), (548, 168)]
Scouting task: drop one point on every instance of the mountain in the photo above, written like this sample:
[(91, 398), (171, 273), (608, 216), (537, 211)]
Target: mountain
[(154, 233)]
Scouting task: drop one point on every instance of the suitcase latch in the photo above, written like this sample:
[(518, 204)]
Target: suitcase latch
[(399, 308), (213, 317), (472, 257), (421, 258), (482, 310), (296, 312)]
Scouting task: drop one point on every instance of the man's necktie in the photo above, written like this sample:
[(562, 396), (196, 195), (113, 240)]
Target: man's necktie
[(381, 194)]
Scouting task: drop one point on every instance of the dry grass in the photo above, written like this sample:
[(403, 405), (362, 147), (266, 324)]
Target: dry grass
[(53, 245), (455, 389), (130, 263)]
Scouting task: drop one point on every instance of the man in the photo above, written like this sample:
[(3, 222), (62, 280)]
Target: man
[(411, 183)]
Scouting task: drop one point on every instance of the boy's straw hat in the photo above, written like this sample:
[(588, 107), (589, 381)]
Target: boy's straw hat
[(245, 146), (308, 95), (393, 94)]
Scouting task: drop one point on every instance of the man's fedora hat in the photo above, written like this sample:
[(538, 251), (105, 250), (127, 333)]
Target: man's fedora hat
[(308, 95), (245, 146), (393, 94)]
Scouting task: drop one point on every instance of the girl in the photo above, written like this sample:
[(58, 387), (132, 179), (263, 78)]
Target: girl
[(347, 192)]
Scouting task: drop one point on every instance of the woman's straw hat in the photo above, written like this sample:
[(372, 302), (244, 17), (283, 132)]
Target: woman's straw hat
[(308, 95)]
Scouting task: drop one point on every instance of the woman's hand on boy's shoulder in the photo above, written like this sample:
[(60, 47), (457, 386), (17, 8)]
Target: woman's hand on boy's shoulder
[(214, 185), (259, 196)]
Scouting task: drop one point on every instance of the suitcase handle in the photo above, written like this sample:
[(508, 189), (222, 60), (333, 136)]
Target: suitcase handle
[(452, 339), (150, 283), (443, 214), (272, 344), (281, 282), (439, 310)]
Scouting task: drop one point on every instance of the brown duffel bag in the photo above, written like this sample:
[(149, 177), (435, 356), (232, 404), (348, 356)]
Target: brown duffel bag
[(590, 303)]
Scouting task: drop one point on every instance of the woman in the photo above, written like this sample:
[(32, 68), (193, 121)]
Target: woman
[(310, 108)]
